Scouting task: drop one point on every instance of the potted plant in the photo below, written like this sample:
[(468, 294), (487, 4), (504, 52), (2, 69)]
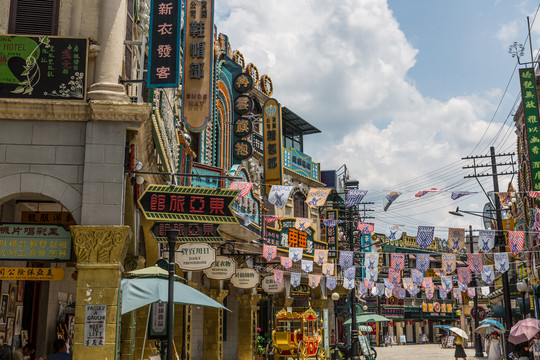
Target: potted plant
[(262, 341)]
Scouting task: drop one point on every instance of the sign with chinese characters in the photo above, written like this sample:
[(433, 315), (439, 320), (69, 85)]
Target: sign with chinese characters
[(198, 64), (158, 321), (164, 44), (270, 286), (194, 257), (393, 312), (180, 203), (242, 150), (43, 67), (243, 104), (94, 325), (47, 217), (242, 82), (301, 164), (331, 234), (242, 127), (266, 85), (530, 109), (31, 274), (188, 232), (223, 268), (329, 178), (207, 182), (257, 142), (34, 242), (288, 236), (272, 132), (245, 278)]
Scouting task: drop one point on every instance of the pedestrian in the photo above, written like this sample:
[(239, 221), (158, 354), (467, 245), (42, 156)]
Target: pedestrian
[(460, 352), (494, 346), (522, 351), (60, 351), (5, 352), (28, 352), (535, 346)]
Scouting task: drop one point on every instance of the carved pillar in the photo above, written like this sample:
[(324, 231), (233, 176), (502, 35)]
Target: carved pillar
[(100, 253), (213, 326), (247, 325)]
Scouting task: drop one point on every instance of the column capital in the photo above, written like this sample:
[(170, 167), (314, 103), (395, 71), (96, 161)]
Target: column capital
[(100, 246), (216, 294), (245, 300), (319, 304)]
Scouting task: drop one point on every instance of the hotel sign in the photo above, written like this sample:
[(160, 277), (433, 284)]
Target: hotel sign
[(273, 158), (198, 64), (530, 109)]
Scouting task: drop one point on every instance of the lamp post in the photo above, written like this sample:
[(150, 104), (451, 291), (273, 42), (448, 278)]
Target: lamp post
[(523, 288), (335, 298), (172, 236), (477, 339)]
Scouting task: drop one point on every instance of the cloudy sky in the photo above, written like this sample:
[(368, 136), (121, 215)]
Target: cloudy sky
[(401, 90)]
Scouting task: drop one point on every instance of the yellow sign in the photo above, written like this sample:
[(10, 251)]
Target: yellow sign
[(273, 158), (449, 308), (424, 307), (443, 308), (430, 307), (31, 274), (508, 224)]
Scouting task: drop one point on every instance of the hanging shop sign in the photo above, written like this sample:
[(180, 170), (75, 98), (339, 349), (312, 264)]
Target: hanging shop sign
[(301, 164), (270, 286), (288, 236), (34, 242), (157, 328), (530, 108), (180, 203), (331, 234), (223, 268), (273, 157), (242, 150), (242, 127), (245, 278), (43, 67), (31, 273), (257, 143), (266, 85), (94, 325), (242, 82), (188, 232), (195, 256), (198, 64)]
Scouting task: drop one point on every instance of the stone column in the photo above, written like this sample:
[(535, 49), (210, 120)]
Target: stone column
[(100, 253), (111, 35), (213, 326), (247, 325)]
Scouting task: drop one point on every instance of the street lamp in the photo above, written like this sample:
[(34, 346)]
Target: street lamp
[(172, 237), (523, 288), (335, 298)]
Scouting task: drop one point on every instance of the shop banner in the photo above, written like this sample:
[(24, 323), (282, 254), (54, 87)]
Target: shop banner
[(530, 109), (223, 268), (195, 256), (245, 278), (31, 273)]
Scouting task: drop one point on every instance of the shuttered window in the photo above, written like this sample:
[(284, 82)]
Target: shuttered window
[(34, 17)]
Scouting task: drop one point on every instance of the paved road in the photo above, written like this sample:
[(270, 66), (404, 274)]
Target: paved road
[(418, 352)]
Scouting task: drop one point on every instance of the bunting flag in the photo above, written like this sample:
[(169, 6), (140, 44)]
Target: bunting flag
[(414, 291), (462, 287), (331, 282), (417, 277), (362, 289), (366, 228), (464, 275), (488, 274), (350, 273), (443, 294), (388, 292), (447, 283), (331, 222), (317, 196), (475, 262), (439, 272), (397, 262), (456, 239), (314, 280), (408, 284), (320, 256), (307, 265), (471, 292), (286, 262), (388, 284), (272, 218), (375, 291), (484, 290), (396, 291), (486, 240), (371, 261), (422, 262), (389, 199), (394, 276), (424, 237), (368, 284), (456, 292), (534, 194), (427, 283), (402, 293), (448, 263), (278, 276), (501, 262), (422, 193), (394, 233), (380, 289), (244, 188), (372, 275), (296, 278), (348, 283), (302, 223), (354, 196), (279, 195), (505, 197), (328, 269), (516, 241), (296, 253), (457, 194), (430, 292), (269, 252), (346, 259)]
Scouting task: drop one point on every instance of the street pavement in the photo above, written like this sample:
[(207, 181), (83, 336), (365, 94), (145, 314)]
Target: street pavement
[(418, 352)]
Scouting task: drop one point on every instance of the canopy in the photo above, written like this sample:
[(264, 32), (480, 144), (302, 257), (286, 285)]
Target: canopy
[(139, 292), (459, 332), (524, 330), (367, 318)]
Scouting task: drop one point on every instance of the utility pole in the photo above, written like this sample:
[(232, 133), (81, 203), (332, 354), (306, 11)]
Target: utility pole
[(499, 237)]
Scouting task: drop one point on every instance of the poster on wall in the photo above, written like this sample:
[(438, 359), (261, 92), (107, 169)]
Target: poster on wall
[(94, 325)]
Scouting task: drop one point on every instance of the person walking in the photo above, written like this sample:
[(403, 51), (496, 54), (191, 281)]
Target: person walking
[(535, 346), (494, 346), (460, 352)]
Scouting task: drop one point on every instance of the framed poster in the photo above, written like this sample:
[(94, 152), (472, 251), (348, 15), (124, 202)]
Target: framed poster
[(3, 310), (18, 320), (20, 290), (12, 301), (9, 330)]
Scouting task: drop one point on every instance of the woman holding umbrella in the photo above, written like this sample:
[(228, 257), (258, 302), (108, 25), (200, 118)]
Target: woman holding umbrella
[(460, 352), (494, 346)]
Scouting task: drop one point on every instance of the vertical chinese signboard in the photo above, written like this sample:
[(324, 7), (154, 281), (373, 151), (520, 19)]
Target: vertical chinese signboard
[(530, 108), (198, 61), (331, 234), (273, 157), (164, 44)]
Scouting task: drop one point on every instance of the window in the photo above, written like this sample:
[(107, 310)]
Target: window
[(300, 206), (34, 17)]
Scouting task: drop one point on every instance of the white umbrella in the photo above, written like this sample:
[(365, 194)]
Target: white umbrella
[(459, 332), (486, 329)]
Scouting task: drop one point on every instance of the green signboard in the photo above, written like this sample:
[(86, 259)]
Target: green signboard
[(43, 67), (530, 108), (34, 242)]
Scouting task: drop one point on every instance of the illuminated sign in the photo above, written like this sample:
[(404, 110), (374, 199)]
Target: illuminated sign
[(273, 159), (34, 242), (530, 109), (301, 164)]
